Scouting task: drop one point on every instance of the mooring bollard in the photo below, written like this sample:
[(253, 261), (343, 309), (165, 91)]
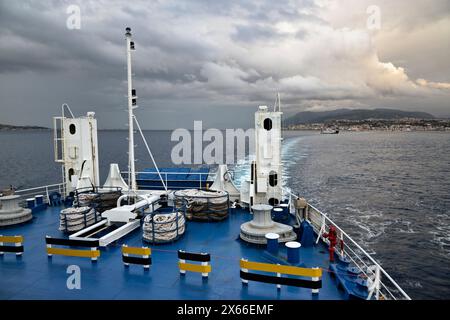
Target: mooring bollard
[(272, 243), (293, 252)]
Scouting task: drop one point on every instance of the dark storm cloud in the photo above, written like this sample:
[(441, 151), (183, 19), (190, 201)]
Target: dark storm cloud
[(195, 59), (35, 39)]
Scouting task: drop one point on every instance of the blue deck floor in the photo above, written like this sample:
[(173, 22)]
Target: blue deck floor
[(34, 276)]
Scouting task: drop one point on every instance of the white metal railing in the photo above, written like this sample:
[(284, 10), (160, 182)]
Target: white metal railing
[(166, 176), (42, 190), (381, 284), (384, 285)]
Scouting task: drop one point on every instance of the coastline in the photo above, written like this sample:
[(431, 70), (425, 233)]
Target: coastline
[(9, 128), (371, 130)]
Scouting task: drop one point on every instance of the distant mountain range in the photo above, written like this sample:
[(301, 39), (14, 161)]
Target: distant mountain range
[(9, 127), (307, 117)]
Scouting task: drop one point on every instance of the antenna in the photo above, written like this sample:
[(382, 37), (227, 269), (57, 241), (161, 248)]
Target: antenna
[(277, 103), (131, 106)]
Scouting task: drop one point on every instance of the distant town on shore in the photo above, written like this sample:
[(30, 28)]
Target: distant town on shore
[(405, 124), (367, 120)]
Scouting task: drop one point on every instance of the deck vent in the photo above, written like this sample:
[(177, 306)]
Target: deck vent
[(254, 231)]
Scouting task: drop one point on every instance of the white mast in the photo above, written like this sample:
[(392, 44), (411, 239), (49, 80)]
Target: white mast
[(132, 98), (131, 103)]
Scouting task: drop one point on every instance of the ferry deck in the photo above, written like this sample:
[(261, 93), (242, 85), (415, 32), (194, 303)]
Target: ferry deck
[(34, 275)]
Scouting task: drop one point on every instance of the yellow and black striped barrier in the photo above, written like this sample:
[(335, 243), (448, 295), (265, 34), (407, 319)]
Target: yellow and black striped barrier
[(16, 248), (314, 273), (204, 258), (139, 255), (93, 253)]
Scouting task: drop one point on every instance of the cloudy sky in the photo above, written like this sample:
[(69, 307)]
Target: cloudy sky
[(218, 60)]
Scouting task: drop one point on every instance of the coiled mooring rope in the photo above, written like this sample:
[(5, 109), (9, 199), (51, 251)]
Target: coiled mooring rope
[(163, 227), (75, 219), (203, 205)]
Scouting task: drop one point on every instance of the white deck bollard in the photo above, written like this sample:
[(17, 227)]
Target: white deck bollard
[(293, 252)]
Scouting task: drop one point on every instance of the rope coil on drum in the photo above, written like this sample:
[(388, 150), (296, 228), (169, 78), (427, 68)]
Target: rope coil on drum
[(204, 205), (101, 199), (85, 199), (164, 227), (74, 219)]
